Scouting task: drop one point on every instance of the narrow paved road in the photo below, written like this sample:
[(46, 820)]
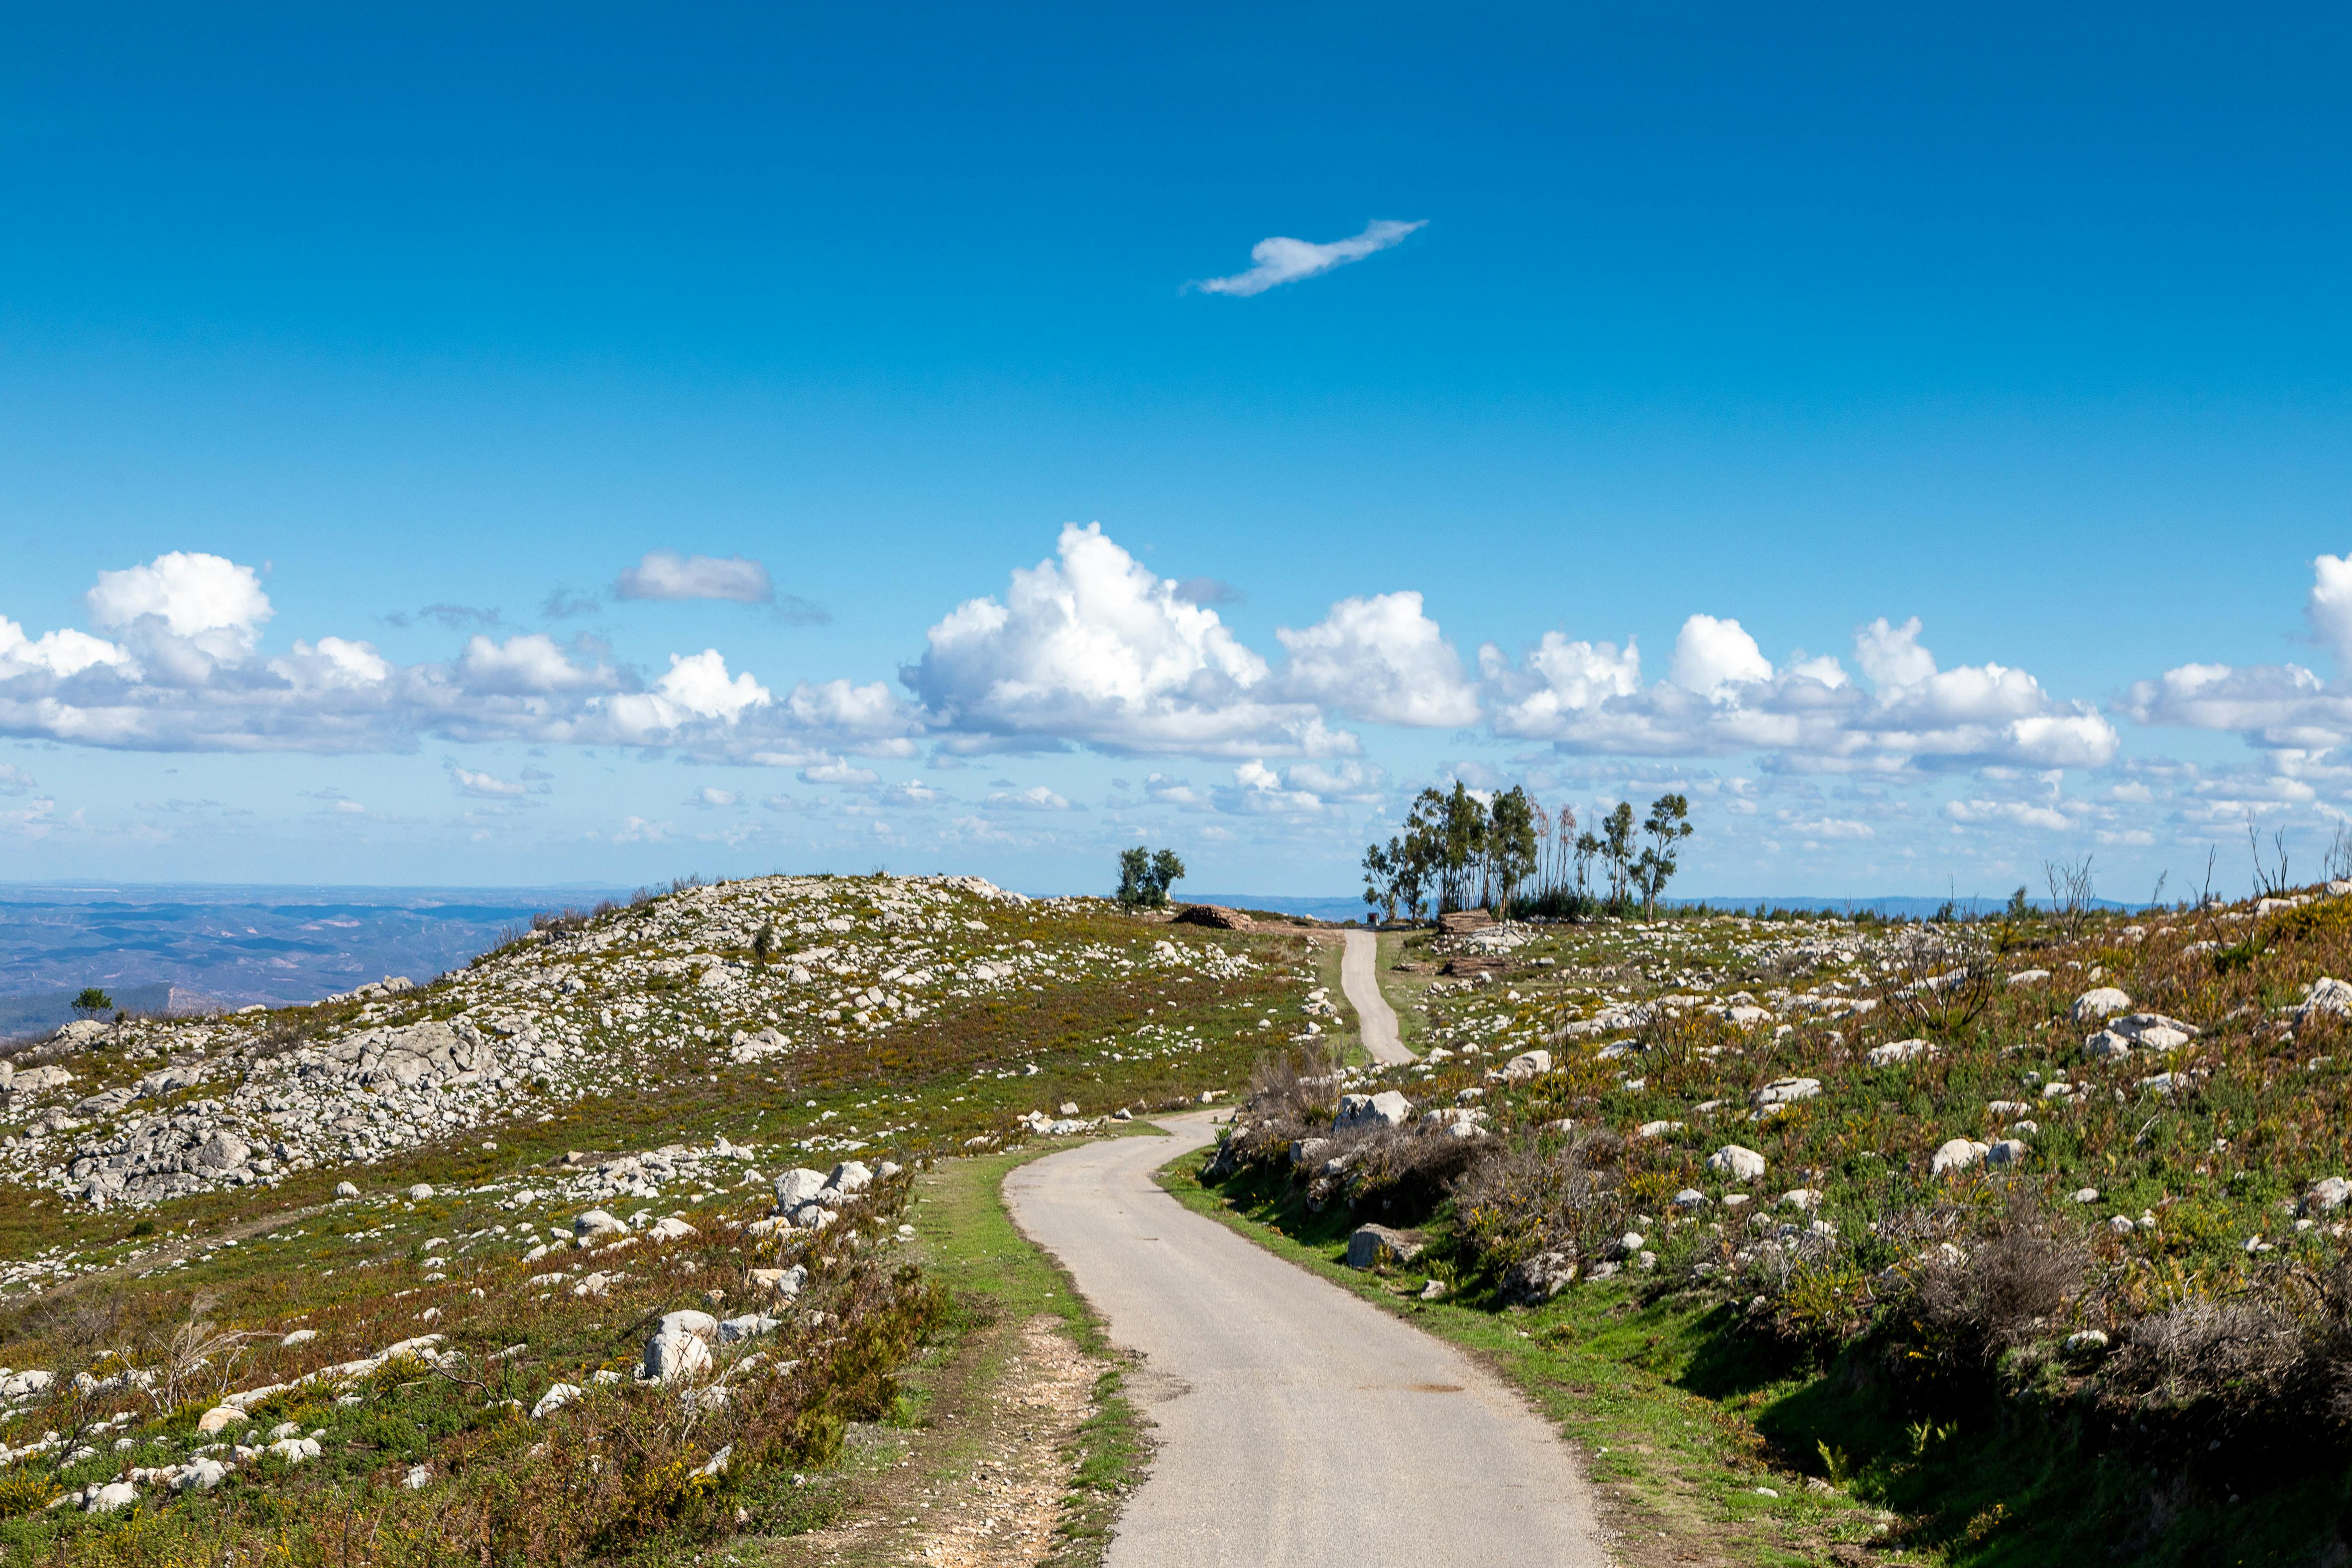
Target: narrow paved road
[(1297, 1426), (1359, 977)]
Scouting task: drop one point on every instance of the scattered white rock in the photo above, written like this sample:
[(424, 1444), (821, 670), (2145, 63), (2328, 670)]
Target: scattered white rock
[(1738, 1164), (1959, 1154), (2099, 1003)]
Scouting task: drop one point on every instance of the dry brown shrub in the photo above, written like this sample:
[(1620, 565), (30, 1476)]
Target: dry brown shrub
[(1517, 1200), (2013, 1287)]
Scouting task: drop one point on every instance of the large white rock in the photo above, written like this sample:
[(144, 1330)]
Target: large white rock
[(794, 1188), (1959, 1154), (850, 1176), (671, 1229), (221, 1417), (1898, 1051), (1739, 1165), (2326, 995), (2327, 1194), (202, 1474), (346, 1190), (1387, 1108), (688, 1320), (2006, 1152), (677, 1355), (596, 1223), (2154, 1031), (2101, 1002), (1786, 1091), (1526, 1065), (110, 1497), (223, 1150), (2108, 1043)]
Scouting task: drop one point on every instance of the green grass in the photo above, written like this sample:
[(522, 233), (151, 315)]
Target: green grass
[(998, 1277)]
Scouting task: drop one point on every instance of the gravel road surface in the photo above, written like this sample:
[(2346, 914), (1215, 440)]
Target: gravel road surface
[(1360, 979)]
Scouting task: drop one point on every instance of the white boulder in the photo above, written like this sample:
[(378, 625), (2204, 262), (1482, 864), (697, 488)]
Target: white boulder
[(1387, 1108), (1739, 1165), (1959, 1154), (2100, 1003)]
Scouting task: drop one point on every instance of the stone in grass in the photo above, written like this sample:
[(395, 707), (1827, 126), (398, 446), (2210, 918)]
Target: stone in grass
[(1739, 1165), (2087, 1343), (113, 1496), (1785, 1092), (202, 1474), (671, 1229), (1526, 1065), (553, 1400), (2100, 1002), (1898, 1051), (1373, 1245), (1387, 1108), (219, 1418), (2006, 1152), (2326, 1195), (2326, 995), (1538, 1278), (1959, 1154), (796, 1187), (419, 1477), (597, 1224), (347, 1190), (420, 1192)]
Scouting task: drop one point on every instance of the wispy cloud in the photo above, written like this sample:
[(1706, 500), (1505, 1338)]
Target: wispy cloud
[(1281, 260), (666, 574)]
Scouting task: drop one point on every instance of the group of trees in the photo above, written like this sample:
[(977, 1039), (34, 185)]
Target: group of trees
[(1465, 852), (1145, 876)]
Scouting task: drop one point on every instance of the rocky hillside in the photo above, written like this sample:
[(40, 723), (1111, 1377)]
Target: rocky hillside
[(602, 1241), (738, 974)]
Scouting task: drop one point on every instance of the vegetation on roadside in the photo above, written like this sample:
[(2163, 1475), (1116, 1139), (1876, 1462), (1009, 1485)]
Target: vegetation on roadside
[(2024, 1231)]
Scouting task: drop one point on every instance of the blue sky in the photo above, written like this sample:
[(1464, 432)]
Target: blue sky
[(378, 336)]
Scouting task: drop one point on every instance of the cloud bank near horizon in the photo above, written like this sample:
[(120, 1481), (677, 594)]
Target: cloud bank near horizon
[(1090, 650)]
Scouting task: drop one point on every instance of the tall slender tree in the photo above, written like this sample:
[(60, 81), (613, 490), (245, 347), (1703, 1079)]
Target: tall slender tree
[(1666, 826)]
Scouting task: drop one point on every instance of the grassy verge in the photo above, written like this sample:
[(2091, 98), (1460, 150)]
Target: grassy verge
[(1674, 1470), (999, 1279)]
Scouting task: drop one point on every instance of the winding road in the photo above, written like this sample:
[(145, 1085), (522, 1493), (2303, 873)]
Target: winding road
[(1360, 978), (1296, 1425)]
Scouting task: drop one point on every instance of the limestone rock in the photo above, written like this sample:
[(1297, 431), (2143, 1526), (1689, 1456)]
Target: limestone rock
[(1526, 1065), (1786, 1091), (1373, 1245), (1537, 1279), (1387, 1108), (1738, 1164), (1898, 1051), (1959, 1154), (2327, 1194), (2100, 1003)]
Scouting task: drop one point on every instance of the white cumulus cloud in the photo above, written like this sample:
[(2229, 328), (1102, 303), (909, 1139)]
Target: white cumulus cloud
[(1279, 260), (1092, 647), (1379, 659), (1710, 655)]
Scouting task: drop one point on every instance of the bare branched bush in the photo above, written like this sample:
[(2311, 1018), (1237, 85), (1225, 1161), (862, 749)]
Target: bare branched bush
[(1947, 978), (2014, 1286), (1518, 1200)]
